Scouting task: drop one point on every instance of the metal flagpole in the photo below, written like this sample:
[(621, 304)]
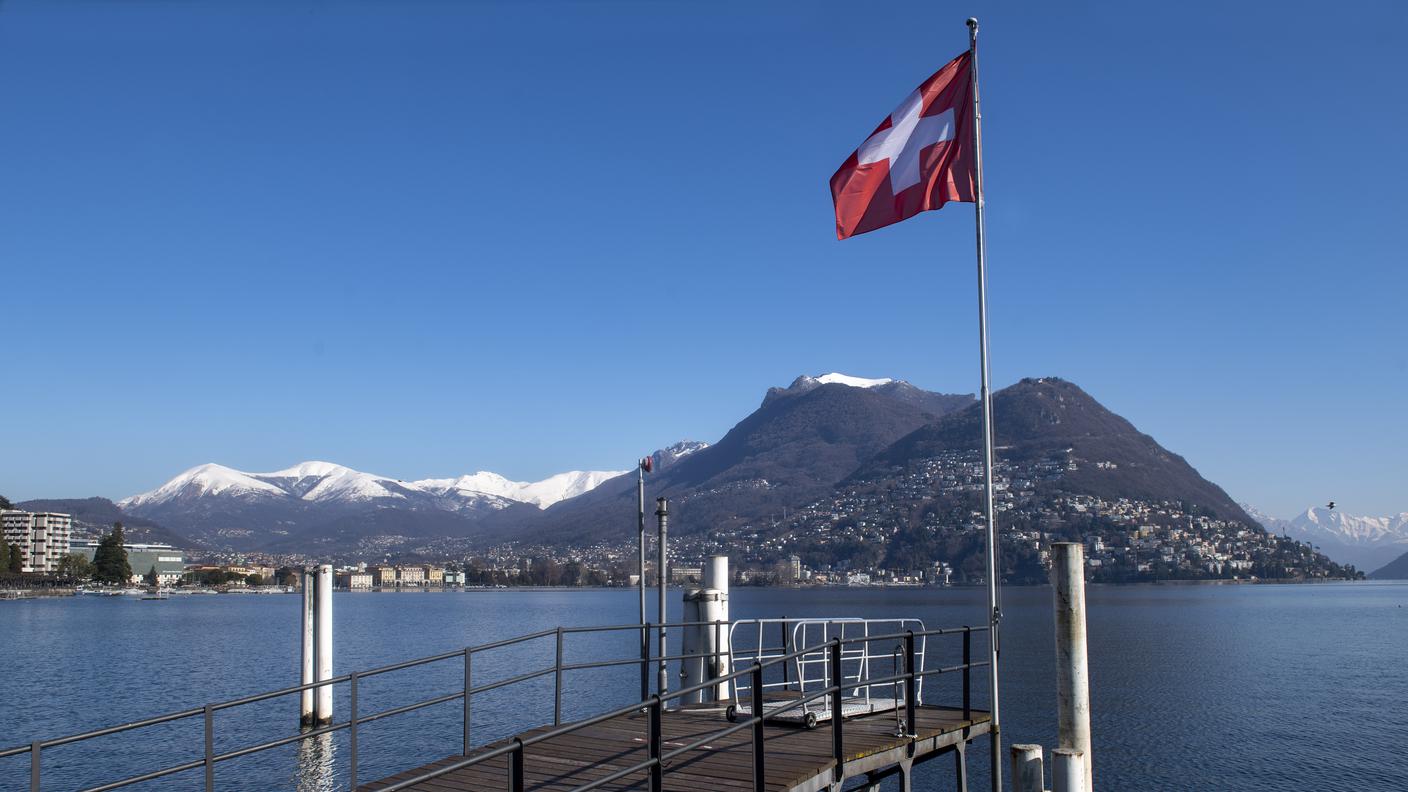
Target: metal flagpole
[(640, 529), (994, 608)]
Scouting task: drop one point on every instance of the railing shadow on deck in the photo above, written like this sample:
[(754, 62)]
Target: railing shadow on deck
[(653, 705)]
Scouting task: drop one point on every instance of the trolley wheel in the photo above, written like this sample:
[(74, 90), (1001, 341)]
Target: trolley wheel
[(731, 713), (811, 720)]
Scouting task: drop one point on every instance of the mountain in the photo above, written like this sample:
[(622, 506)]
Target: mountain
[(1366, 542), (799, 443), (321, 500), (1052, 421), (95, 516), (1396, 569)]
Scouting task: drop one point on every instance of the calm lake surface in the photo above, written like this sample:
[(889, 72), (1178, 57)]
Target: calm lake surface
[(1193, 687)]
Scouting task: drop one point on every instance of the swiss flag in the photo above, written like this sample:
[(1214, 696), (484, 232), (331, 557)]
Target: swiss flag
[(918, 159)]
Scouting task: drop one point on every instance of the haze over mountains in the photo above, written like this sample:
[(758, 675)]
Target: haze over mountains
[(821, 438), (1367, 542)]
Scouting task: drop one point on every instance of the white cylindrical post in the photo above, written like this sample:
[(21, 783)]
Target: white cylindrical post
[(1067, 770), (1027, 774), (305, 711), (323, 600), (715, 610), (1072, 669)]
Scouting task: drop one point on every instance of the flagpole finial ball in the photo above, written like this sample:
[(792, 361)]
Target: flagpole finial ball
[(973, 22)]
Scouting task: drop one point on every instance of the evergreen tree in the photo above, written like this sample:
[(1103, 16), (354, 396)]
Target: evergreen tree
[(75, 567), (110, 559), (16, 562), (151, 578), (5, 504), (4, 554)]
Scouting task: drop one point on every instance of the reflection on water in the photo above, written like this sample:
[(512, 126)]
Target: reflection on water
[(316, 761)]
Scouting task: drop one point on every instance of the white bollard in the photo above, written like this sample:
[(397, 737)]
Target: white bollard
[(323, 599), (715, 610), (305, 712), (1027, 771), (710, 641), (1067, 770), (1072, 668)]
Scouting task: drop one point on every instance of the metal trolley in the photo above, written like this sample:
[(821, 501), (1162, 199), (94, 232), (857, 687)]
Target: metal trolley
[(810, 671)]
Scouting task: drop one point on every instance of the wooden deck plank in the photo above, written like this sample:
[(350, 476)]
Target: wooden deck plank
[(793, 756)]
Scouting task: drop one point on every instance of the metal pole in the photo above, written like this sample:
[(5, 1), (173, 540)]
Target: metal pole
[(1072, 668), (759, 742), (209, 748), (352, 728), (468, 694), (994, 607), (557, 683), (662, 575), (640, 535), (35, 749)]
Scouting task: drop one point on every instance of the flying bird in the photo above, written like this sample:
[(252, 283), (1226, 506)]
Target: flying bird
[(1331, 505)]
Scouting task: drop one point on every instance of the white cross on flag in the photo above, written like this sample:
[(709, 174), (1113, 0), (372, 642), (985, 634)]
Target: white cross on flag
[(917, 159)]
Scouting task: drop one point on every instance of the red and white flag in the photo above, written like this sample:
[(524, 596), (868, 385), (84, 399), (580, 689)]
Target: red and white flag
[(918, 159)]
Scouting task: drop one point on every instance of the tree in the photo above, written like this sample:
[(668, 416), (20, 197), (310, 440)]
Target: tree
[(4, 554), (75, 566), (5, 504), (151, 578), (110, 559), (285, 576), (16, 560), (253, 579)]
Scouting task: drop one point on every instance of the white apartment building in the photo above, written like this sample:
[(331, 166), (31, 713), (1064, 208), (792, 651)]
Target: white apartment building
[(41, 536)]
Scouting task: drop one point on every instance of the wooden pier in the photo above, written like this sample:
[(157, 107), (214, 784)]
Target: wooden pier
[(795, 759)]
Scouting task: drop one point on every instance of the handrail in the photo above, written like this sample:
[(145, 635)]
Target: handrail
[(653, 703)]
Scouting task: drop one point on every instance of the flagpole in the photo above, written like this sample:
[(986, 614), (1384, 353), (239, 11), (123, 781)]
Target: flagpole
[(994, 608)]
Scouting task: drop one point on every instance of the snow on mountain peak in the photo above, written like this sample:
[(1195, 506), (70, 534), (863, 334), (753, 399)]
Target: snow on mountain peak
[(854, 382), (316, 481)]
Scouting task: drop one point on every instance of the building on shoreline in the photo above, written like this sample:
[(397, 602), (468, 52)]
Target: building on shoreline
[(143, 557), (43, 538)]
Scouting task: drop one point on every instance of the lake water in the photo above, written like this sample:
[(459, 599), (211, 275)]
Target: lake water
[(1193, 687)]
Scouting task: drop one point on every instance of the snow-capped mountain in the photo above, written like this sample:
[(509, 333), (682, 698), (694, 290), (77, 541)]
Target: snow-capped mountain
[(1366, 542), (323, 482), (936, 403), (234, 508)]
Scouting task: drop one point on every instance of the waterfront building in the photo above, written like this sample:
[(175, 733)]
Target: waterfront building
[(454, 577), (385, 576), (169, 562), (356, 581), (43, 538), (411, 576), (434, 575)]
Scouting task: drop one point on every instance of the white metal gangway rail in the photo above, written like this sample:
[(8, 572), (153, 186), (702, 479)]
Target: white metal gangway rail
[(811, 671)]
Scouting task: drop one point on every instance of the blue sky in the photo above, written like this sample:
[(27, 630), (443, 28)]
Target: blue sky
[(430, 238)]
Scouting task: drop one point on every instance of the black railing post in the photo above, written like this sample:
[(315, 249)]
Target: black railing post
[(911, 685), (557, 683), (786, 677), (645, 662), (34, 749), (759, 749), (515, 770), (838, 752), (652, 746), (967, 673), (352, 727), (468, 694), (209, 749)]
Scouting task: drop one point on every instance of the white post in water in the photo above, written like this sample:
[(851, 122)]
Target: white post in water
[(305, 711), (1072, 669), (1027, 773), (1067, 770), (323, 600), (716, 611)]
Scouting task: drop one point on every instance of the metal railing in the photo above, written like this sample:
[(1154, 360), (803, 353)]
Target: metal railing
[(657, 758), (653, 705)]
